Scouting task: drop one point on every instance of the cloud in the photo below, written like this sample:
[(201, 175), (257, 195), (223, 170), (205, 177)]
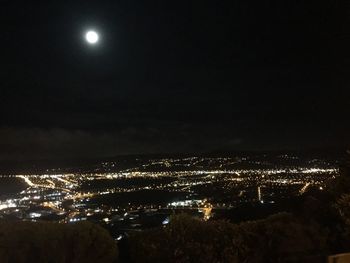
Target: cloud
[(57, 143), (37, 143)]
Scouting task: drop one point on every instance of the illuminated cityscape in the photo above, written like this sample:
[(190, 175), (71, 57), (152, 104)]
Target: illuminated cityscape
[(152, 189), (175, 131)]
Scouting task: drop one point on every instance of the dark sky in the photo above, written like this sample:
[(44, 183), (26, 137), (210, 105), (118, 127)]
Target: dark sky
[(172, 76)]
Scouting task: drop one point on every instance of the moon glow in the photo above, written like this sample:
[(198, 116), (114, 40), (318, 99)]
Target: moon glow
[(92, 37)]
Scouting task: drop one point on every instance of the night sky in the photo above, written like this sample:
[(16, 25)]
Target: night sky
[(172, 77)]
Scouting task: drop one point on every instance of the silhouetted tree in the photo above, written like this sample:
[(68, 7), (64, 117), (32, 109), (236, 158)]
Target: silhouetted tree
[(56, 243), (341, 184), (185, 239), (279, 238), (343, 207)]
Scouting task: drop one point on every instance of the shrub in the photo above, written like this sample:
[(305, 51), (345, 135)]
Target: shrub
[(279, 238), (56, 243)]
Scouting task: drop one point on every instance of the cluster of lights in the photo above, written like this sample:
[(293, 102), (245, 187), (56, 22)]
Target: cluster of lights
[(51, 191)]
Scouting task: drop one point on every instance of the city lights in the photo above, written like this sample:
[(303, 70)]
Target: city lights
[(72, 197)]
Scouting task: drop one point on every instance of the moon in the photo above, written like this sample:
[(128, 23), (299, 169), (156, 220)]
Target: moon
[(92, 37)]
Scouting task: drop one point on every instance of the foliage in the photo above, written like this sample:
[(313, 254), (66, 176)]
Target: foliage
[(185, 239), (279, 238), (343, 207), (55, 243), (341, 185)]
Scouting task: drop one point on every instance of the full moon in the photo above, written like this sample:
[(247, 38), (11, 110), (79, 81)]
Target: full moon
[(91, 37)]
